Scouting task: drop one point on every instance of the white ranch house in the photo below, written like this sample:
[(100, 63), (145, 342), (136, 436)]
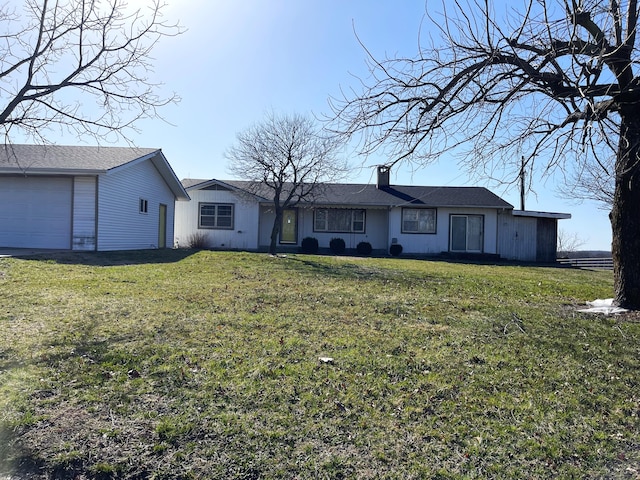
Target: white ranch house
[(425, 220), (86, 198)]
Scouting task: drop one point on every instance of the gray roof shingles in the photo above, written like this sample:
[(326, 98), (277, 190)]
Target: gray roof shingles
[(61, 157), (394, 195)]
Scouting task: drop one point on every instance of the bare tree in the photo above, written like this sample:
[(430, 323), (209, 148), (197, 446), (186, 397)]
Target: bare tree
[(554, 78), (80, 66), (589, 181), (568, 242), (287, 158)]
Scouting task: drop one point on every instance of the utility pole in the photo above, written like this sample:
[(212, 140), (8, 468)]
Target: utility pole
[(522, 179)]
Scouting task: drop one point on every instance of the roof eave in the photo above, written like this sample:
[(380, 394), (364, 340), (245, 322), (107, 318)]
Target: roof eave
[(161, 163), (50, 171), (534, 214)]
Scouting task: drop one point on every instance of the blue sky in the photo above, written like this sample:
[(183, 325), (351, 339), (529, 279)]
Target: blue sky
[(239, 59)]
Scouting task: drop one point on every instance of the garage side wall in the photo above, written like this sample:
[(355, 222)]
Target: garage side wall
[(122, 224)]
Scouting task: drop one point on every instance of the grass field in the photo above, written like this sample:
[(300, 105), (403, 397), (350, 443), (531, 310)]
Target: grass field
[(182, 364)]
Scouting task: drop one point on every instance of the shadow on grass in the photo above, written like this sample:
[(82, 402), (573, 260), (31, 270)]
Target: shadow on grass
[(13, 462), (354, 270), (82, 361), (114, 258)]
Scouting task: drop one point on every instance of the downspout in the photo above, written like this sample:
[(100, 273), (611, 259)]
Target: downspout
[(498, 215), (97, 183), (73, 211)]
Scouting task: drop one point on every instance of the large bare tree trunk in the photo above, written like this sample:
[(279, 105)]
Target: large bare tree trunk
[(625, 214), (275, 231)]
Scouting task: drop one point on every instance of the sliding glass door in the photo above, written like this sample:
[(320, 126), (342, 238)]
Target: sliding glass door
[(466, 233)]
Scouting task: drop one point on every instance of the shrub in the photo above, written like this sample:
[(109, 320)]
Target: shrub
[(309, 245), (337, 245), (395, 249), (364, 248), (198, 240)]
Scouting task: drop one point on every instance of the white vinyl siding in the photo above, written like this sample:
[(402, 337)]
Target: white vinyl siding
[(35, 212), (120, 224), (243, 235), (438, 242), (84, 213)]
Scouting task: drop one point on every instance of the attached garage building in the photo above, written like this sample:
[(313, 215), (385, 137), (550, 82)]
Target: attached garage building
[(86, 198)]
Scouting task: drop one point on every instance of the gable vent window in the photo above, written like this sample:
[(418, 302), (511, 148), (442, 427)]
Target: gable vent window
[(216, 215), (144, 205)]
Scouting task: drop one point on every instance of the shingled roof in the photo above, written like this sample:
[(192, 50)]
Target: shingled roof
[(64, 158), (341, 194), (82, 160)]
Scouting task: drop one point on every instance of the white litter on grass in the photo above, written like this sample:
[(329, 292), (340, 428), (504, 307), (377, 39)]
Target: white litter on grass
[(605, 306)]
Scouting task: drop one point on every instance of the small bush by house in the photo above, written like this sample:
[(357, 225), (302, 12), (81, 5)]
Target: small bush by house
[(309, 245), (364, 248), (198, 240), (337, 246), (395, 249)]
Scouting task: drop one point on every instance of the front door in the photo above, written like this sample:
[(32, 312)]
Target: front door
[(289, 227), (162, 227), (466, 233)]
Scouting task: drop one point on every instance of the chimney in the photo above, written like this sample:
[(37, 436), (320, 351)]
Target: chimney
[(383, 176)]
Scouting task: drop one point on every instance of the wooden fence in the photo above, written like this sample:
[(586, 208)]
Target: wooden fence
[(603, 263)]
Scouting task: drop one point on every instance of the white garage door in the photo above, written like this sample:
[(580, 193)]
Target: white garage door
[(35, 212)]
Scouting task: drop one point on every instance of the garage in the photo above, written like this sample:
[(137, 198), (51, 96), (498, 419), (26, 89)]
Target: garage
[(35, 212)]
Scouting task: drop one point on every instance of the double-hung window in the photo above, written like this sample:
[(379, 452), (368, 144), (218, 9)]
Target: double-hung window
[(339, 220), (216, 215), (418, 220)]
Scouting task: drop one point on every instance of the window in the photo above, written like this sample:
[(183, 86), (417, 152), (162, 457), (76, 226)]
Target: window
[(339, 220), (216, 215), (143, 205), (418, 220)]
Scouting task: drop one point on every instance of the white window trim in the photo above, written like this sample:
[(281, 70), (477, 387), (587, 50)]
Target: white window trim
[(216, 216), (143, 206)]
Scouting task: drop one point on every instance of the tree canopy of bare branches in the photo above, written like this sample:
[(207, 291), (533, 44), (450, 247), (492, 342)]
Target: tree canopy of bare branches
[(80, 66), (568, 242), (553, 79), (290, 158)]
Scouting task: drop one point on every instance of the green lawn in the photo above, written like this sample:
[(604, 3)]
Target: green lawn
[(182, 364)]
